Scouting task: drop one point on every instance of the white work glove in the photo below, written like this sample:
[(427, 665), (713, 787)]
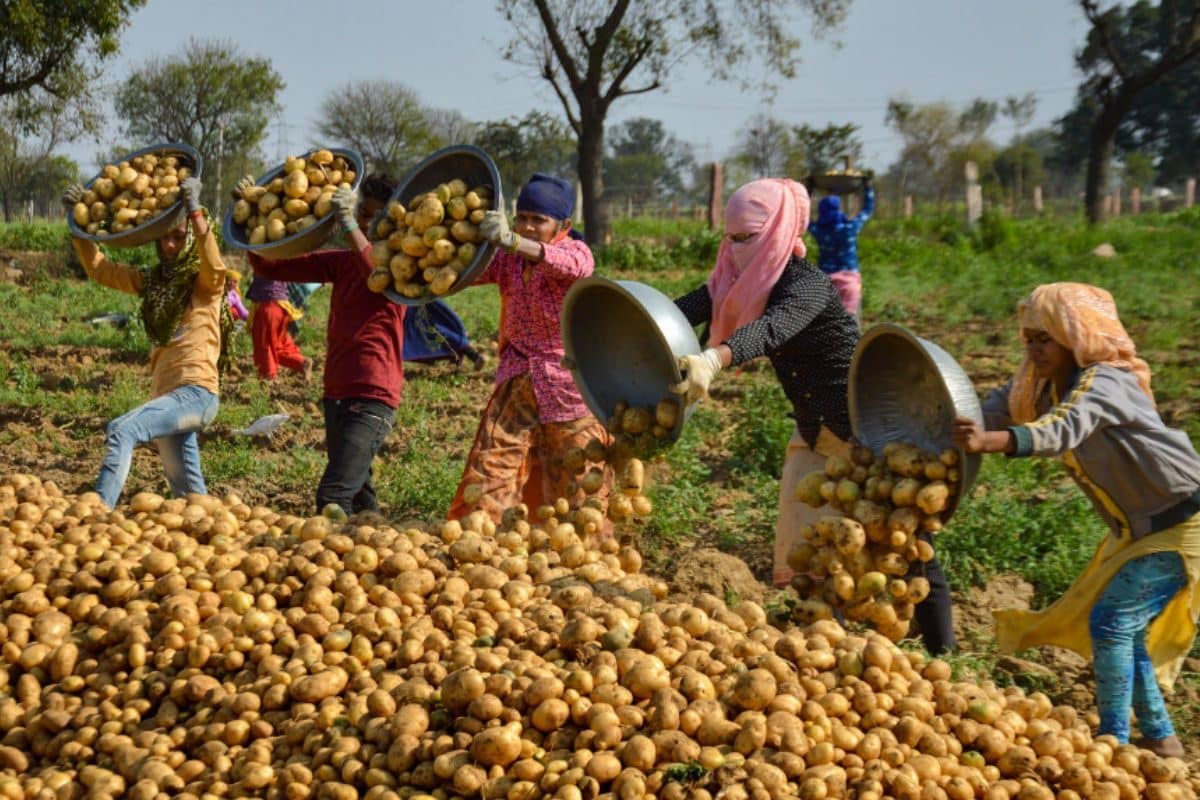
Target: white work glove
[(71, 195), (495, 229), (345, 207), (189, 189), (245, 183), (698, 373)]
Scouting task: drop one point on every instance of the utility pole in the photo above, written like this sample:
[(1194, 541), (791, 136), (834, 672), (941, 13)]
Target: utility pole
[(220, 168)]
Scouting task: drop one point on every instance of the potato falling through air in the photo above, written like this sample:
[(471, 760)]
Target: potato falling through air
[(863, 561)]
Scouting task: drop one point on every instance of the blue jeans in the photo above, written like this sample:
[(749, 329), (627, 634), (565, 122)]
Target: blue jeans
[(1124, 674), (171, 422)]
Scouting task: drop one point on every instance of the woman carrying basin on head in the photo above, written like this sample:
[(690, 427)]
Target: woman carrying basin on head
[(187, 319)]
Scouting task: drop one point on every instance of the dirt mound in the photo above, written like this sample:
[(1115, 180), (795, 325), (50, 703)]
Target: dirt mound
[(973, 609), (705, 570)]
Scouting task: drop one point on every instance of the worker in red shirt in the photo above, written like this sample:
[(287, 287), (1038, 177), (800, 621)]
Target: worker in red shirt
[(364, 371)]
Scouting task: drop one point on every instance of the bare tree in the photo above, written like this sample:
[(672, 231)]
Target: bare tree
[(594, 52), (1020, 110), (384, 120), (32, 127), (1119, 70)]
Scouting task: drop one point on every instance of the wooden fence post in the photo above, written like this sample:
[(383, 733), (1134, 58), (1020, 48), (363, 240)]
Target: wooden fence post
[(1037, 199), (908, 206), (1135, 200), (974, 193), (716, 203), (1116, 206), (1189, 193)]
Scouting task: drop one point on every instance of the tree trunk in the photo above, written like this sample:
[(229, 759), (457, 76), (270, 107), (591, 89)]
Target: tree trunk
[(591, 181), (1100, 150)]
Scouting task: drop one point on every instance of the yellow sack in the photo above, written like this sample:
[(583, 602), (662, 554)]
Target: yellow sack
[(1065, 623)]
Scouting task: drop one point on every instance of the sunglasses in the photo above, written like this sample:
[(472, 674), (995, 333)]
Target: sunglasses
[(740, 238)]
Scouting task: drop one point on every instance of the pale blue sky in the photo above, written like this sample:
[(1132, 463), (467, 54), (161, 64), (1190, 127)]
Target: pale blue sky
[(951, 50)]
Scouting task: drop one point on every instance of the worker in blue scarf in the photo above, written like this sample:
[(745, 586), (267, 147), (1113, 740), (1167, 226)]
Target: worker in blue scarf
[(837, 239)]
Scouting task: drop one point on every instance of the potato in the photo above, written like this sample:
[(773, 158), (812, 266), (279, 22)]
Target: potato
[(315, 688), (380, 280), (295, 207), (296, 182)]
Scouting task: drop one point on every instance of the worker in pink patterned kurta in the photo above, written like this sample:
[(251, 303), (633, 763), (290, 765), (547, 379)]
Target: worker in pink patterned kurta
[(535, 413)]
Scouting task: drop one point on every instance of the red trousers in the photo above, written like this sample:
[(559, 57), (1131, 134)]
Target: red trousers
[(273, 345)]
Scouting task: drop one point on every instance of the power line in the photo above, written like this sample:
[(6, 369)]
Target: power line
[(836, 108)]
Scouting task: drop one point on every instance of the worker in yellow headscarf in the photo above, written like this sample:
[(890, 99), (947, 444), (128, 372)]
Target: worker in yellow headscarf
[(1082, 393)]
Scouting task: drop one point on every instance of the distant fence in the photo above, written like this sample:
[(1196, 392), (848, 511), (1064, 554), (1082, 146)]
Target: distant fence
[(893, 205)]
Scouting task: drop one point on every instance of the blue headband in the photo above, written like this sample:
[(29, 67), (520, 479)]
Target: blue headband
[(545, 194)]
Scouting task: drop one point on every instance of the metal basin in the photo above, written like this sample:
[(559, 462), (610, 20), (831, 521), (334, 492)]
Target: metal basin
[(905, 388), (301, 242), (624, 339), (476, 168), (837, 182), (156, 227)]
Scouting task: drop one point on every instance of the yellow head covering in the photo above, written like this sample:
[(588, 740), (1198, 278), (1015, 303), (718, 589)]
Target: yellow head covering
[(1083, 319)]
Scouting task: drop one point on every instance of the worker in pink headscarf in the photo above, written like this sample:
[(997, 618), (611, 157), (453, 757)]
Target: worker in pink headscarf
[(763, 298)]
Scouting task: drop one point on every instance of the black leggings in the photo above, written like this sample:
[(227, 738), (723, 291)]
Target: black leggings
[(933, 615)]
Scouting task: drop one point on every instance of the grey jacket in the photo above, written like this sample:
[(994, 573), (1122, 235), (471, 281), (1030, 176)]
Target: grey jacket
[(1141, 476)]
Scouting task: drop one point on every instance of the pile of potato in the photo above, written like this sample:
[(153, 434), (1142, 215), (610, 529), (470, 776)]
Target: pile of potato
[(202, 648), (131, 193), (862, 561), (294, 201), (425, 247)]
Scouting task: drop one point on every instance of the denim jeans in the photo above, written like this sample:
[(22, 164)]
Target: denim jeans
[(171, 422), (354, 431), (1125, 676)]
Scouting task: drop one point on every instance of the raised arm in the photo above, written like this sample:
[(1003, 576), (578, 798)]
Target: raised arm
[(95, 264), (868, 208)]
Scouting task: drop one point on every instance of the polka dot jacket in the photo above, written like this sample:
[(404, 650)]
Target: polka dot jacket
[(809, 338)]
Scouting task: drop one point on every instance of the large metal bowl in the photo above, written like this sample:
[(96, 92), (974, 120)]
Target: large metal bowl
[(469, 164), (905, 388), (156, 227), (301, 242), (624, 340), (836, 182)]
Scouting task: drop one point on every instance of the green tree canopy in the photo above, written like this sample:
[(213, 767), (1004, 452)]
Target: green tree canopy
[(1129, 51), (646, 163), (53, 44), (1163, 118), (537, 142), (32, 126), (822, 149), (385, 121), (209, 95)]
